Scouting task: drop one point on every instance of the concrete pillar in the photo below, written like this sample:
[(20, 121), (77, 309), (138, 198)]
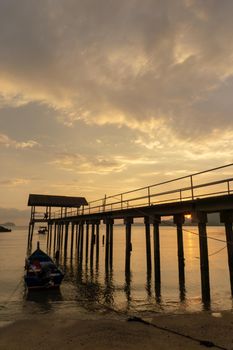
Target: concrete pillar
[(92, 243), (201, 219), (156, 220), (109, 223), (227, 218), (107, 246), (97, 242), (111, 244), (81, 241), (128, 245), (79, 238), (148, 243), (179, 220), (87, 240)]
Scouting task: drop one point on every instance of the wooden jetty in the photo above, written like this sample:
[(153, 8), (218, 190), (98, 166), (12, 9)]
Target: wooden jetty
[(73, 219)]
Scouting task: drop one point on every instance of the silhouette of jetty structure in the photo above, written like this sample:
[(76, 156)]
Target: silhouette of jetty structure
[(195, 195)]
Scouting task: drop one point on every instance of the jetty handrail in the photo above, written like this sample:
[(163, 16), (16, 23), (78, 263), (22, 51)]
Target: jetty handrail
[(164, 182), (121, 202), (183, 189), (129, 202)]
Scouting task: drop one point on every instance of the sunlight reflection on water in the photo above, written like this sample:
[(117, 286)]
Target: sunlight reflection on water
[(87, 289)]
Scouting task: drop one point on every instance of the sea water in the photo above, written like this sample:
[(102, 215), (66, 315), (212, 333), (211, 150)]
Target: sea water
[(88, 290)]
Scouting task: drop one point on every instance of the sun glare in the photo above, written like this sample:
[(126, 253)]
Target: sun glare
[(188, 216)]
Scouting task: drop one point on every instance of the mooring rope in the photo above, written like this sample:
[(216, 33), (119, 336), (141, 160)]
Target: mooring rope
[(7, 301), (129, 318), (192, 232)]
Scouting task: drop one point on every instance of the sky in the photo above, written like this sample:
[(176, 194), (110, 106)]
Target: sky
[(101, 97)]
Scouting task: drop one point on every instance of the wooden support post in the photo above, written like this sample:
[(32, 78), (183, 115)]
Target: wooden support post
[(51, 237), (148, 244), (128, 245), (179, 221), (48, 237), (62, 236), (72, 240), (76, 237), (54, 238), (57, 238), (201, 218), (31, 236), (227, 218), (87, 240), (30, 228), (66, 238)]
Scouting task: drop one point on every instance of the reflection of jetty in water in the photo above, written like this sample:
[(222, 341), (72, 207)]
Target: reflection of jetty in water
[(80, 227), (96, 289)]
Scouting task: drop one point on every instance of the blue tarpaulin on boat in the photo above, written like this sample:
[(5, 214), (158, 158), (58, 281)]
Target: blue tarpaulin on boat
[(39, 255)]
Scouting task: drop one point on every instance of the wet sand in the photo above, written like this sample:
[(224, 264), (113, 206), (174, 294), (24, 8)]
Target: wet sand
[(160, 332)]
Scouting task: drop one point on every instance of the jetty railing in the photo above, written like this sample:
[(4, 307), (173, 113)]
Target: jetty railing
[(188, 189)]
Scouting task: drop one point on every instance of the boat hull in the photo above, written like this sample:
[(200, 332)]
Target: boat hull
[(36, 282), (41, 272)]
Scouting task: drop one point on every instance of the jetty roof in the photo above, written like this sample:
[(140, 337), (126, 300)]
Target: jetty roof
[(40, 200)]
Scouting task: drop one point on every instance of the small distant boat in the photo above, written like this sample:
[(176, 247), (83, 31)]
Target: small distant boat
[(4, 229), (42, 230), (41, 272)]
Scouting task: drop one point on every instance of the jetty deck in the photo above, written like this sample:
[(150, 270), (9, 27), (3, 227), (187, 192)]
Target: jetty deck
[(195, 195)]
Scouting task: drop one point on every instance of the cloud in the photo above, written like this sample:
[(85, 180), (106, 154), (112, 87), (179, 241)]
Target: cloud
[(6, 141), (14, 182), (98, 164), (149, 66), (87, 164)]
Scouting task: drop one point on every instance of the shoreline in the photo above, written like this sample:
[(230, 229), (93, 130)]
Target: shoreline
[(167, 331)]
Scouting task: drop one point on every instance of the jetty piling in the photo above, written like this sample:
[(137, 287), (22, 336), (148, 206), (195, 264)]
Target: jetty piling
[(156, 220), (128, 222), (226, 217), (179, 220), (148, 243), (97, 241), (67, 224)]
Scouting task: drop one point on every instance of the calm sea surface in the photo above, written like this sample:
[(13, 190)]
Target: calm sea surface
[(89, 291)]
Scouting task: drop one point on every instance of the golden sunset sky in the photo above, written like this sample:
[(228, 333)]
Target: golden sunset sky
[(103, 96)]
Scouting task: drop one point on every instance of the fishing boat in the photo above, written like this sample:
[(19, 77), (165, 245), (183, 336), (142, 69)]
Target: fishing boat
[(42, 230), (41, 272), (4, 229)]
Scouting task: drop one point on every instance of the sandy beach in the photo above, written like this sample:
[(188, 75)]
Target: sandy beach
[(189, 331)]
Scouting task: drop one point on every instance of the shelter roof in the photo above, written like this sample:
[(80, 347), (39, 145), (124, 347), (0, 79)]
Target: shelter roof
[(40, 200)]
